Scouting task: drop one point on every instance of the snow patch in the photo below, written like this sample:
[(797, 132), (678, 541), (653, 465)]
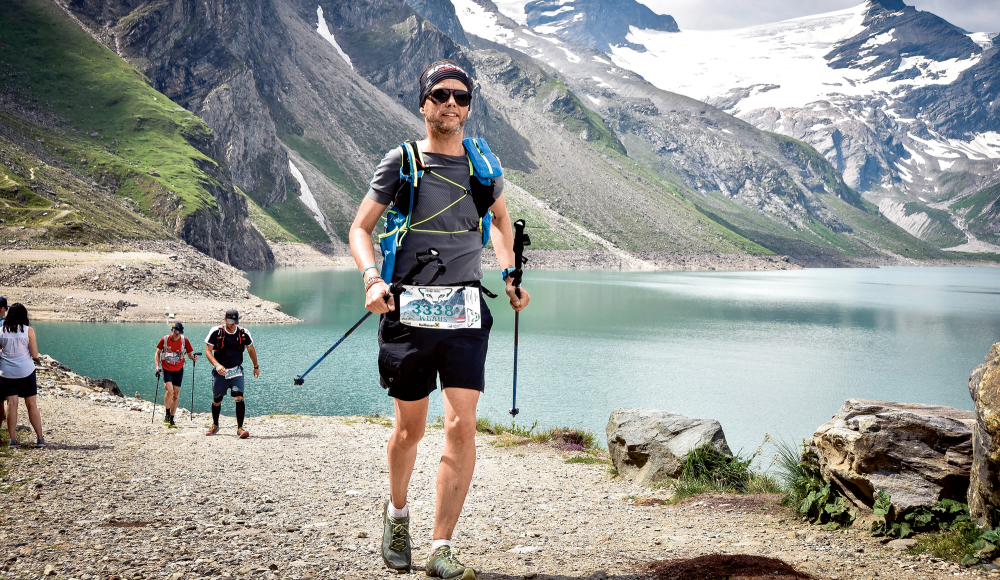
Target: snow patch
[(513, 9), (790, 54), (594, 100), (476, 20), (559, 11), (306, 195), (983, 39), (878, 40), (945, 165), (569, 55), (601, 60), (324, 31)]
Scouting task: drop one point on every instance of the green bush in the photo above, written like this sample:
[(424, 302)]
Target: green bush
[(806, 491), (705, 470), (943, 516)]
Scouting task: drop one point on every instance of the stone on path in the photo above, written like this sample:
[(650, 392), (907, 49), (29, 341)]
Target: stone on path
[(984, 486), (649, 446), (918, 454)]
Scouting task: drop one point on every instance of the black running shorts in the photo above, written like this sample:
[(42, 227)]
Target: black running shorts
[(24, 387), (410, 359), (175, 378)]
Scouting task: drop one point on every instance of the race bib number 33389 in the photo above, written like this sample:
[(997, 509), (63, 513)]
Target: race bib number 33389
[(446, 307)]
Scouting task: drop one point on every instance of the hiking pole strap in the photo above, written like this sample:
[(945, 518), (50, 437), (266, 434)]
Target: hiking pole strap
[(423, 260)]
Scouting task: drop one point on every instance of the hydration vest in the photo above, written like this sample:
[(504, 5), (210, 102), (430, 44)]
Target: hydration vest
[(484, 168), (219, 340)]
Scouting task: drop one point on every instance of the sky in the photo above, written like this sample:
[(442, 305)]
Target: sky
[(972, 15)]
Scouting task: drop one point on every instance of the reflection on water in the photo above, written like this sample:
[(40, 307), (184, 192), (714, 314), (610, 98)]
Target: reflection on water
[(761, 352)]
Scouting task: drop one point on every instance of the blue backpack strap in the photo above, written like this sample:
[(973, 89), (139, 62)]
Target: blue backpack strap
[(485, 165), (485, 168), (396, 223)]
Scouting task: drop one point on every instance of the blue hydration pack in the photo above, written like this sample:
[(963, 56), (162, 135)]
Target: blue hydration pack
[(484, 168)]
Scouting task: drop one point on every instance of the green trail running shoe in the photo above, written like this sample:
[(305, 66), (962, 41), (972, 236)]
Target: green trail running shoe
[(443, 564), (395, 541)]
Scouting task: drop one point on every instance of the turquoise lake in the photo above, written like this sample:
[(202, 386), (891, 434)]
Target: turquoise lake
[(762, 352)]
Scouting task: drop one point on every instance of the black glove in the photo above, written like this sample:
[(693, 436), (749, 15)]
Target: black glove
[(157, 373)]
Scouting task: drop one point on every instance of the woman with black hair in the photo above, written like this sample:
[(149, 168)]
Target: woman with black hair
[(17, 370)]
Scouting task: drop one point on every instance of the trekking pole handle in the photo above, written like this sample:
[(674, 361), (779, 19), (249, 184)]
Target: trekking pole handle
[(520, 240)]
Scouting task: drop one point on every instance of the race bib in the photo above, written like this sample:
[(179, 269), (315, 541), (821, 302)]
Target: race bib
[(172, 357), (234, 372), (445, 307)]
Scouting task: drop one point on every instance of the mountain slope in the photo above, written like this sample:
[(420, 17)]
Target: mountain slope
[(93, 142), (776, 192), (899, 100)]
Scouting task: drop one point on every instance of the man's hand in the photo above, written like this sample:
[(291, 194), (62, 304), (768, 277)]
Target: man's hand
[(158, 370), (256, 372), (375, 299), (194, 357), (516, 303), (221, 370)]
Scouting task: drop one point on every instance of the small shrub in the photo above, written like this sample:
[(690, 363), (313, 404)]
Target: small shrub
[(587, 459), (966, 544), (484, 425), (824, 508), (945, 515), (806, 491), (706, 470), (378, 419)]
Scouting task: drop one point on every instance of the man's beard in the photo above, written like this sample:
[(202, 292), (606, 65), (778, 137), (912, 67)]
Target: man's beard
[(441, 128)]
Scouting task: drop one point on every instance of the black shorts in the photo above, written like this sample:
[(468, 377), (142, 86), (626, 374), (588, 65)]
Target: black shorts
[(23, 387), (175, 378), (410, 359)]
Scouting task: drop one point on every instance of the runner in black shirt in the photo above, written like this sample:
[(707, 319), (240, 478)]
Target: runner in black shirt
[(224, 348)]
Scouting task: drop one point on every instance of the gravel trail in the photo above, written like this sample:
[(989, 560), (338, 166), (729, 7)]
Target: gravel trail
[(117, 498)]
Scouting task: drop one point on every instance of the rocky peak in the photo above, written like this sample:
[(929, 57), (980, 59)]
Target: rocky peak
[(441, 13), (598, 24), (890, 5), (894, 31)]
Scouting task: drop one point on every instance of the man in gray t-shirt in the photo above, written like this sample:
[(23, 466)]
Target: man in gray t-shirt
[(412, 358)]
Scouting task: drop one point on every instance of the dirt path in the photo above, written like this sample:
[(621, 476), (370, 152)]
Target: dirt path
[(116, 498)]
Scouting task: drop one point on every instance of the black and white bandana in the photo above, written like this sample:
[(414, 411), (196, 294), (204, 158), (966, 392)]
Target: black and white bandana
[(439, 71)]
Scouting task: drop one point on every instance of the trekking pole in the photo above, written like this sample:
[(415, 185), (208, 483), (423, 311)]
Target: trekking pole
[(194, 368), (156, 393), (423, 260), (520, 240)]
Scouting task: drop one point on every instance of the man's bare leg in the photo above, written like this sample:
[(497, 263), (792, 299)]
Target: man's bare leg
[(168, 396), (458, 461), (411, 419)]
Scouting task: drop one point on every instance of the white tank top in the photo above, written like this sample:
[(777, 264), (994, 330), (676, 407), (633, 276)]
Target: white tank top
[(15, 359)]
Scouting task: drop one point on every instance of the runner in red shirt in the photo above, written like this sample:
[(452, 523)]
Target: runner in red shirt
[(170, 353)]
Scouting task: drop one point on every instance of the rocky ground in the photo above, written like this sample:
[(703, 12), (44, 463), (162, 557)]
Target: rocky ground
[(115, 497), (148, 282)]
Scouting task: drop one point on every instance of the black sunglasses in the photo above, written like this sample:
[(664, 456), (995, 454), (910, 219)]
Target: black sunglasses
[(441, 96)]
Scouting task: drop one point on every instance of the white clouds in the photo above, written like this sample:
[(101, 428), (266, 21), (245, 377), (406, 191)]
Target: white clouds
[(972, 15)]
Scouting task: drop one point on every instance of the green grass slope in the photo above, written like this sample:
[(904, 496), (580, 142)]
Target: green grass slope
[(102, 120), (982, 213)]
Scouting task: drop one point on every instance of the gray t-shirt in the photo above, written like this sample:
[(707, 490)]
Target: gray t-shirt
[(461, 252)]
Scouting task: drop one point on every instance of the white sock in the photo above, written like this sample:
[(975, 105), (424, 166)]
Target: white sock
[(438, 543), (398, 513)]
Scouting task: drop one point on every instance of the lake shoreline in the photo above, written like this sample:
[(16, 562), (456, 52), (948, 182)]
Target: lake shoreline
[(166, 281)]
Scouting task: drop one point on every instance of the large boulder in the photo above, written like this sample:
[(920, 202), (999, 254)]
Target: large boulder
[(984, 486), (918, 454), (649, 446)]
